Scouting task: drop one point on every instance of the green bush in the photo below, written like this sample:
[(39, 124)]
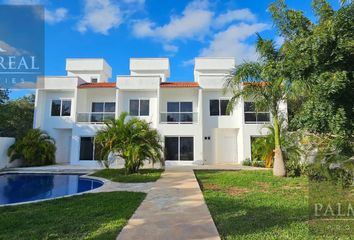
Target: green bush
[(35, 148), (247, 162)]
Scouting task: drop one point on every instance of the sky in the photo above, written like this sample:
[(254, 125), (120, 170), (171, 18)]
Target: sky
[(180, 30)]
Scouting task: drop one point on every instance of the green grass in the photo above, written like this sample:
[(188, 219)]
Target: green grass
[(118, 175), (256, 205), (89, 216)]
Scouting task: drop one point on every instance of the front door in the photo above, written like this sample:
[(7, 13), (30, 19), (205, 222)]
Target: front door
[(227, 146)]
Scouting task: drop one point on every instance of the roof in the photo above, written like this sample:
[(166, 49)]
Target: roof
[(98, 85), (179, 84)]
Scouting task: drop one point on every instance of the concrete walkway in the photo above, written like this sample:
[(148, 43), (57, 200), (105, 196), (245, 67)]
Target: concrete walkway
[(173, 209)]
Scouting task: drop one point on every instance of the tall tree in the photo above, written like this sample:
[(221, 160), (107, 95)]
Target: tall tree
[(264, 83), (318, 59)]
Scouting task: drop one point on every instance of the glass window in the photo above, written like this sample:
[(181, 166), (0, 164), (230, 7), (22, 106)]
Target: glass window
[(186, 107), (134, 108), (56, 107), (186, 148), (223, 107), (214, 107), (249, 107), (252, 116), (97, 107), (86, 148), (110, 107), (144, 107), (61, 108), (173, 107), (66, 108), (171, 148), (94, 80)]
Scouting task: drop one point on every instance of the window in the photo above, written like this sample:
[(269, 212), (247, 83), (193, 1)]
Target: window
[(102, 111), (61, 108), (88, 149), (252, 116), (179, 112), (179, 148), (94, 80), (139, 107), (218, 107)]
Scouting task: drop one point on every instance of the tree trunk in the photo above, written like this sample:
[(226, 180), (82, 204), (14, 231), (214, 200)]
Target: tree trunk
[(279, 165)]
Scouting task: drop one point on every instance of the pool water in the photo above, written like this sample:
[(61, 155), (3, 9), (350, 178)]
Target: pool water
[(16, 188)]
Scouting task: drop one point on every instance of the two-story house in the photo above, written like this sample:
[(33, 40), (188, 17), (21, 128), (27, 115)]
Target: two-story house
[(190, 116)]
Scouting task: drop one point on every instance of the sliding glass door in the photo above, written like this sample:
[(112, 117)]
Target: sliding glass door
[(179, 148)]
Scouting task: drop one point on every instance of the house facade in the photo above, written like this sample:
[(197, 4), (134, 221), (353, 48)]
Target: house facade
[(190, 116)]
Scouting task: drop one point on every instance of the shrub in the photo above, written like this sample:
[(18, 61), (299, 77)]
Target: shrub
[(35, 148), (247, 162), (132, 140)]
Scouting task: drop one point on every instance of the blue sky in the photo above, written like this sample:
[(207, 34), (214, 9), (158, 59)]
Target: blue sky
[(117, 30)]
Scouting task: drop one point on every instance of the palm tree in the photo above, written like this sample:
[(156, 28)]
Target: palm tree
[(35, 148), (133, 140), (263, 82)]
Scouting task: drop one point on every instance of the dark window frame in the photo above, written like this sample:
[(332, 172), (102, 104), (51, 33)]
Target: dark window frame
[(61, 113), (251, 113), (179, 158), (93, 149), (220, 111), (140, 113)]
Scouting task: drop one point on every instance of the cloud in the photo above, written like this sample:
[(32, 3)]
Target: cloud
[(55, 16), (140, 2), (50, 16), (233, 42), (7, 49), (170, 48), (234, 15), (100, 16), (193, 23)]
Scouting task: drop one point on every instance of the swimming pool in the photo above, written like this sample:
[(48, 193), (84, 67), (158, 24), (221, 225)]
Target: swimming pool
[(17, 188)]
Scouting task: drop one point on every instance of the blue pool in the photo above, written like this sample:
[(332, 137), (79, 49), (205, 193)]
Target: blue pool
[(15, 188)]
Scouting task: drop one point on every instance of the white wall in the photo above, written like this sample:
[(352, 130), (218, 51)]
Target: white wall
[(5, 143)]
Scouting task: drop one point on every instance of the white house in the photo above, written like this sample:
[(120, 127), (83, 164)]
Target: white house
[(190, 116)]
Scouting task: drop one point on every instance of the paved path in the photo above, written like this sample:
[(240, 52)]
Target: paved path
[(173, 209)]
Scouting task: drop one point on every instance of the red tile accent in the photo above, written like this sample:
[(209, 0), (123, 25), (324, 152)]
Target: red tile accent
[(179, 84), (98, 85)]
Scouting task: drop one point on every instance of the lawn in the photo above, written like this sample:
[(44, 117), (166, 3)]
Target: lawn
[(256, 205), (118, 175), (88, 216)]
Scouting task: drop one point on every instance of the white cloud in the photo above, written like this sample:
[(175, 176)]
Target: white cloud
[(232, 42), (234, 15), (193, 23), (170, 48), (100, 16), (140, 2), (7, 49), (50, 16), (55, 16)]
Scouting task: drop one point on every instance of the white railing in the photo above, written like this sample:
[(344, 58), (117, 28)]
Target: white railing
[(94, 117), (178, 117)]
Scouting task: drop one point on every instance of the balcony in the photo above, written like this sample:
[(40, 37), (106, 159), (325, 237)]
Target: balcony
[(94, 117), (178, 117), (257, 117)]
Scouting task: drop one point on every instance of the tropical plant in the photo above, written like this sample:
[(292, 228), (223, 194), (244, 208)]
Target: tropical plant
[(132, 140), (263, 148), (318, 59), (35, 148), (16, 116), (264, 83)]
